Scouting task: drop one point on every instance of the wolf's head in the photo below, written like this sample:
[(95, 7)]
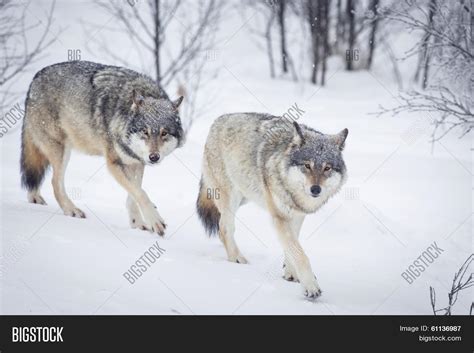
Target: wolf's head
[(316, 168), (154, 129)]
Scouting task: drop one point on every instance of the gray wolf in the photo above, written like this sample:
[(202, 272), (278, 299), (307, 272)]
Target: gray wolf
[(99, 110), (289, 169)]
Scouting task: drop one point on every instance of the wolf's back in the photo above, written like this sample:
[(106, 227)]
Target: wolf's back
[(62, 87), (89, 87)]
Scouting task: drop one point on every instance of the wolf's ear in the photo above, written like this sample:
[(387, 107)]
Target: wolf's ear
[(177, 102), (137, 99), (298, 138), (340, 138)]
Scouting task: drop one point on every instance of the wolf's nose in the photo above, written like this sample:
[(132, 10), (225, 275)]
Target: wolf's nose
[(315, 190), (154, 157)]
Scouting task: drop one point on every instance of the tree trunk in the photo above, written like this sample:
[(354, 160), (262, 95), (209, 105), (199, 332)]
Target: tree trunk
[(424, 48), (426, 55), (326, 25), (157, 23), (268, 38), (350, 16), (281, 23), (314, 19), (339, 25), (374, 8)]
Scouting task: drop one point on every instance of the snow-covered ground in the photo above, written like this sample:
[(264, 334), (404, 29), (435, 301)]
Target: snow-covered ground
[(402, 194)]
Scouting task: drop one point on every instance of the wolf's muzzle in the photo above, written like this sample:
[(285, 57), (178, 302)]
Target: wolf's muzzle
[(315, 190), (154, 157)]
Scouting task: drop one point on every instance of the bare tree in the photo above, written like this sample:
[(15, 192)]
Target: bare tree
[(448, 26), (313, 15), (268, 40), (453, 110), (374, 13), (325, 33), (423, 62), (426, 57), (350, 11), (281, 4), (393, 60), (157, 40), (340, 25), (264, 12), (354, 25), (331, 27), (192, 25), (18, 51), (317, 14), (459, 284), (267, 13)]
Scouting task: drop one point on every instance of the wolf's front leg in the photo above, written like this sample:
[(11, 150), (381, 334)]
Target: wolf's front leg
[(152, 218), (296, 257), (135, 174), (289, 273)]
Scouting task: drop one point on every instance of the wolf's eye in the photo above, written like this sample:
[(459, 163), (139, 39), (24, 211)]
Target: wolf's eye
[(307, 165), (164, 133), (327, 168)]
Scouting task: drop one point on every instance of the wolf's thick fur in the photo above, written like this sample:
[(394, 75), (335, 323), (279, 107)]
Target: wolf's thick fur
[(289, 169), (99, 110)]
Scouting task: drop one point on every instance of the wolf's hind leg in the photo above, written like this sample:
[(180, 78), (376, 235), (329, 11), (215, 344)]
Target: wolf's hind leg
[(226, 235), (33, 165), (135, 174), (58, 155), (34, 196), (227, 228)]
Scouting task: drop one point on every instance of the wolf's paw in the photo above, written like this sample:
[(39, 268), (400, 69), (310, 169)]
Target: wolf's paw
[(154, 222), (288, 275), (312, 291), (75, 212), (240, 259), (137, 223), (37, 199), (159, 227), (312, 294)]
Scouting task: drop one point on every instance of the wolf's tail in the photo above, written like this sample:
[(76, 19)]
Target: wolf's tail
[(33, 163), (207, 210)]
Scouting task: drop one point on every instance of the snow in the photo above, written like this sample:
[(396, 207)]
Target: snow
[(403, 193)]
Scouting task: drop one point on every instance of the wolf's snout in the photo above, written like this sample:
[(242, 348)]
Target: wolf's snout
[(154, 157), (315, 190)]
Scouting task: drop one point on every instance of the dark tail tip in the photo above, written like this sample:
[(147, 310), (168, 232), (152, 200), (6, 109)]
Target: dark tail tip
[(31, 179), (207, 211), (33, 164)]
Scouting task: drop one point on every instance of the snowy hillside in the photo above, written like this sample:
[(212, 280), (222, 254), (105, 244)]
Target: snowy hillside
[(403, 193)]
